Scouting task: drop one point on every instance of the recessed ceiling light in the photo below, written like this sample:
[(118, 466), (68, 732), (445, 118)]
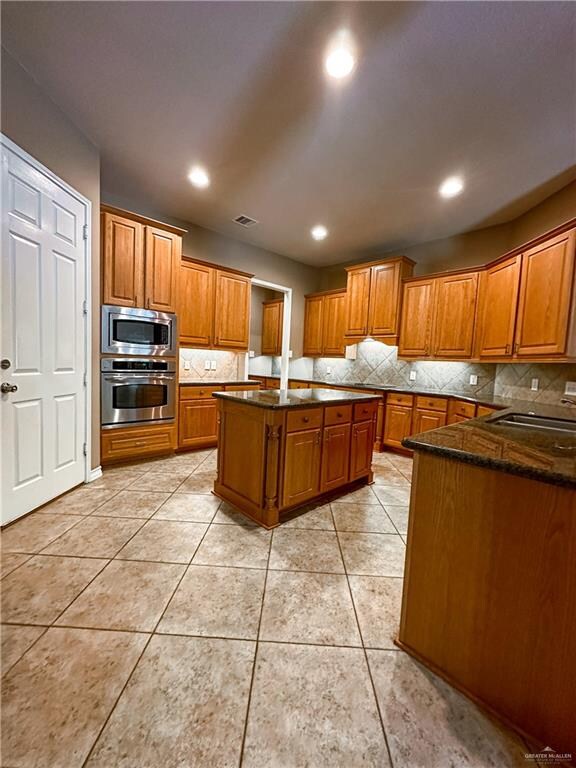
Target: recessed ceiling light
[(199, 177), (319, 232), (451, 187), (340, 60)]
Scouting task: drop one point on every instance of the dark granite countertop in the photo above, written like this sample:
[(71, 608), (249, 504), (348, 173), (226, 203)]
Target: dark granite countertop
[(519, 450), (294, 398), (214, 382), (480, 399)]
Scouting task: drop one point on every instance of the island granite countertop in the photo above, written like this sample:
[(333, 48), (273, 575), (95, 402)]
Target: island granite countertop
[(549, 456), (215, 382), (294, 398)]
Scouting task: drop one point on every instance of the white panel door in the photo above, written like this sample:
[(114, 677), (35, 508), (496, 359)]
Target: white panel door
[(43, 418)]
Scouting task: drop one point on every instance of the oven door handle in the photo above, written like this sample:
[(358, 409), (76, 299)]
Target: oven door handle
[(144, 377)]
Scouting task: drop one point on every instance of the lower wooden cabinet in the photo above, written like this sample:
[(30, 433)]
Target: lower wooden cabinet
[(424, 420), (302, 466), (361, 448), (132, 443), (397, 424), (197, 423), (335, 456)]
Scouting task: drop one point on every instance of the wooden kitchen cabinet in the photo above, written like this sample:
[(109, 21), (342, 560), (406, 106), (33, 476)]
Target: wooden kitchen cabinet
[(361, 448), (497, 308), (397, 424), (197, 423), (545, 317), (424, 420), (122, 444), (302, 466), (335, 456), (324, 321), (272, 315), (140, 261), (416, 325), (195, 304), (455, 300), (213, 306), (373, 299)]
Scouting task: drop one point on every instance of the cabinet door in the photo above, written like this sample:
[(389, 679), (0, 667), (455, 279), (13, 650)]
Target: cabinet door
[(195, 304), (384, 300), (425, 420), (122, 261), (301, 467), (498, 302), (357, 302), (163, 251), (232, 311), (272, 312), (197, 423), (334, 321), (361, 449), (417, 318), (397, 424), (313, 325), (455, 315), (335, 456), (546, 286)]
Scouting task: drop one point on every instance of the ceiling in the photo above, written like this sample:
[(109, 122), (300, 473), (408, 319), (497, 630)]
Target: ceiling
[(486, 90)]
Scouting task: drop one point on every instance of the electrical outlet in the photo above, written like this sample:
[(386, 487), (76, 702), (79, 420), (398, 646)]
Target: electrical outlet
[(473, 379), (570, 388), (251, 353), (213, 365), (206, 365), (187, 365), (412, 376), (535, 385), (290, 353), (328, 369)]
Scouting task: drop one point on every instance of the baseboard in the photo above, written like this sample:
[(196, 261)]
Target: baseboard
[(94, 474)]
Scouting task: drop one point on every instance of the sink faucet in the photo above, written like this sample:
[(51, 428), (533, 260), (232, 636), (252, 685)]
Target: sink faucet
[(568, 401)]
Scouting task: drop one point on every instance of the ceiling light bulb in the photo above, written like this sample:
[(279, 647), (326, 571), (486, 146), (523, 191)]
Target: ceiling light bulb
[(199, 178), (319, 232), (339, 63), (451, 187)]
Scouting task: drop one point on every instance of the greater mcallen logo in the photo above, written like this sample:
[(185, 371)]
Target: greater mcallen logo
[(548, 756)]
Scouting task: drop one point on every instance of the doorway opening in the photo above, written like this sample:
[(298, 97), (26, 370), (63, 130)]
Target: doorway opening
[(286, 294)]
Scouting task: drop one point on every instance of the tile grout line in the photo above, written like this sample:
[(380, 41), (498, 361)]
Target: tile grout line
[(146, 644), (252, 676), (384, 734), (41, 635)]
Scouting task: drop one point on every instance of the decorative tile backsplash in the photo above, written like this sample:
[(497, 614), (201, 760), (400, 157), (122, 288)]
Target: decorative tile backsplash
[(228, 364), (378, 363), (514, 380)]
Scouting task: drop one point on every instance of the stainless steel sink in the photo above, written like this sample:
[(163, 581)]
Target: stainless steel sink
[(543, 423)]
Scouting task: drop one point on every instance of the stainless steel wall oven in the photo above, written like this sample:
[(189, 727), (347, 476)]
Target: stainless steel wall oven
[(137, 390)]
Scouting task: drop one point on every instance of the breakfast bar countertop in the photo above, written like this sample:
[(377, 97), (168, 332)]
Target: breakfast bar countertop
[(294, 398), (546, 455)]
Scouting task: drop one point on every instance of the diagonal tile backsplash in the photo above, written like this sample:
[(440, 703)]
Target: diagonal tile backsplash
[(227, 364), (514, 380)]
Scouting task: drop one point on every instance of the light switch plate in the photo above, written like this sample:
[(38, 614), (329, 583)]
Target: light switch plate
[(213, 365), (187, 365), (412, 376), (328, 369), (206, 365), (473, 379), (570, 388), (251, 353), (535, 385)]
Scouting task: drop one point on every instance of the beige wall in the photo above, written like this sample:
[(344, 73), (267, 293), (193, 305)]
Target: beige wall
[(201, 243), (478, 247), (37, 125)]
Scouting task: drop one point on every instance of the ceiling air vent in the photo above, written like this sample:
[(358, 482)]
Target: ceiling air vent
[(245, 221)]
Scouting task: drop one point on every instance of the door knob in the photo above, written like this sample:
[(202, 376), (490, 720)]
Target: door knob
[(5, 388)]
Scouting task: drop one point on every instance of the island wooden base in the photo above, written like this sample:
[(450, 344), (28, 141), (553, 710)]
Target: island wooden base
[(489, 599)]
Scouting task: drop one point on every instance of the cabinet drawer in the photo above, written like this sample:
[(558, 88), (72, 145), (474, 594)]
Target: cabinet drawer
[(304, 419), (486, 410), (134, 443), (198, 393), (337, 414), (432, 403), (399, 399), (240, 387), (365, 411), (462, 408)]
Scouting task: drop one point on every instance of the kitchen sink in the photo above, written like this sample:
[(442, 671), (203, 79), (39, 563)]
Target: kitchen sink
[(543, 423)]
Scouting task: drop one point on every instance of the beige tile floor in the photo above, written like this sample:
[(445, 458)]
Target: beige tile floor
[(147, 625)]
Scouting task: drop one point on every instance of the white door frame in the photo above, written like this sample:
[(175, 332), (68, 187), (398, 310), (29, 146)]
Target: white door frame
[(286, 319), (89, 474)]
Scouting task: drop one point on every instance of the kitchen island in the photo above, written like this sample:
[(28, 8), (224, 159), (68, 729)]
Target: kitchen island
[(281, 449), (489, 599)]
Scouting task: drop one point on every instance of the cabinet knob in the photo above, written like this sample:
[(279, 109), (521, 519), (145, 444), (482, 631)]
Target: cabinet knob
[(305, 419), (338, 414)]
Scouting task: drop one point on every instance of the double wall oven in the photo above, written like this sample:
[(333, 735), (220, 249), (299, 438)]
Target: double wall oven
[(139, 384)]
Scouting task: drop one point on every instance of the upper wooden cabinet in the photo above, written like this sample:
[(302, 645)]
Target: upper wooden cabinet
[(497, 312), (455, 315), (417, 317), (140, 261), (213, 306), (546, 302), (324, 321), (272, 316), (373, 299)]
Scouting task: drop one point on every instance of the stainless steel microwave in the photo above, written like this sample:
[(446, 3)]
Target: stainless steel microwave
[(133, 331)]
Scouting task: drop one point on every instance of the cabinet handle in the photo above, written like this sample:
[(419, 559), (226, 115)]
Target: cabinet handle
[(305, 419)]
